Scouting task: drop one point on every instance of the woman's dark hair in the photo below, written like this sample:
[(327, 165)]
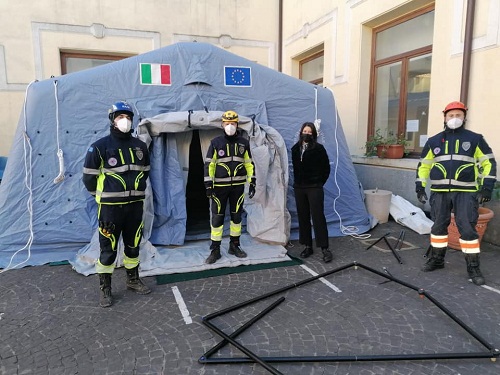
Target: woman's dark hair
[(313, 128)]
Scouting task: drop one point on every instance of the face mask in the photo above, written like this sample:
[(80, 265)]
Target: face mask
[(230, 129), (124, 125), (306, 138), (454, 123)]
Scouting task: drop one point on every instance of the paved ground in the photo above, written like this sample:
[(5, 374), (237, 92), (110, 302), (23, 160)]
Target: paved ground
[(50, 322)]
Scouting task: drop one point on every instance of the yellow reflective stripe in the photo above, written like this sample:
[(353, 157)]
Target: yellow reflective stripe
[(138, 234), (461, 168), (216, 233), (132, 158), (101, 268), (121, 156), (130, 263), (240, 201), (234, 229), (217, 202)]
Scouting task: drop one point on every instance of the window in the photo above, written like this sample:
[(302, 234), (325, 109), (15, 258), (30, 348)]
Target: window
[(311, 68), (74, 62), (400, 79)]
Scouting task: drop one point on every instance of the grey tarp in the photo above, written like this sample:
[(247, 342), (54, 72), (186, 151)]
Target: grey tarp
[(44, 218)]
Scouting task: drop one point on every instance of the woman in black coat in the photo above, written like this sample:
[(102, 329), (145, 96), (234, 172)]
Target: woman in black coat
[(311, 169)]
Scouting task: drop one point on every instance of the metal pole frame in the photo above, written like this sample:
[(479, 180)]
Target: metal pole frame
[(492, 353)]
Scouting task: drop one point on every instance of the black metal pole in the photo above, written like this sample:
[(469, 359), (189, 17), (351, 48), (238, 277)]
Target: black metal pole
[(390, 277), (249, 353), (267, 295), (396, 255), (356, 358), (457, 320), (236, 333), (380, 239)]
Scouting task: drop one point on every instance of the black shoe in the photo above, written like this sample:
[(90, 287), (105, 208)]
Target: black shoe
[(307, 252), (327, 255), (214, 254), (135, 283), (235, 249)]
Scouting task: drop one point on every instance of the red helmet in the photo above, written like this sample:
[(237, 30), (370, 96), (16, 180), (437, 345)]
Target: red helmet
[(455, 105)]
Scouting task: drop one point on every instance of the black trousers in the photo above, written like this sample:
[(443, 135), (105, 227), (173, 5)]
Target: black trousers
[(310, 203), (465, 207), (127, 219)]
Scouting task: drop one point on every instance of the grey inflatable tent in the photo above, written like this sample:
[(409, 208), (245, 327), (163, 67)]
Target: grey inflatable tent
[(178, 93)]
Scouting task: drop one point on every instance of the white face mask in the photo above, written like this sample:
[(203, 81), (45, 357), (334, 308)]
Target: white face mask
[(454, 123), (230, 129), (124, 125)]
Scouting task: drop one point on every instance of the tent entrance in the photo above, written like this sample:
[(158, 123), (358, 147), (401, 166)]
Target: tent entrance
[(197, 203)]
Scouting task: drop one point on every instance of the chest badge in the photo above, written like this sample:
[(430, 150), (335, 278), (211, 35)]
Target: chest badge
[(241, 149), (112, 161), (139, 154), (466, 146), (221, 153)]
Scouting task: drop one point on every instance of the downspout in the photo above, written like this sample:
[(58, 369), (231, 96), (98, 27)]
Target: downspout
[(280, 35), (469, 31)]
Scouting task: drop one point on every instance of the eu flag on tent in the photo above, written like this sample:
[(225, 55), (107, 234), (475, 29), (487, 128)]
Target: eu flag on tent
[(155, 74), (237, 76)]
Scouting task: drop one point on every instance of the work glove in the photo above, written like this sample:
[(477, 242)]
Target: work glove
[(484, 195), (421, 196), (251, 190), (106, 228), (210, 192)]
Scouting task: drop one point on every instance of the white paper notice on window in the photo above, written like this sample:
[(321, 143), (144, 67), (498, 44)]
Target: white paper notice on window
[(423, 139), (412, 126)]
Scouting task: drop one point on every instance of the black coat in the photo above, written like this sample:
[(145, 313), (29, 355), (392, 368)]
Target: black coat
[(312, 169)]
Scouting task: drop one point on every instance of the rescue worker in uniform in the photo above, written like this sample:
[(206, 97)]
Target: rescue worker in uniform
[(115, 172), (462, 172), (228, 166)]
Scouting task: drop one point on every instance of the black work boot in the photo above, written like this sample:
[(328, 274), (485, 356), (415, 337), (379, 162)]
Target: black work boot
[(307, 252), (214, 254), (327, 255), (135, 283), (105, 297), (473, 269), (234, 249), (436, 261)]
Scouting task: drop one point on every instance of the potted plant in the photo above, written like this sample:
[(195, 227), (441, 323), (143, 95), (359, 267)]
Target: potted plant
[(390, 146)]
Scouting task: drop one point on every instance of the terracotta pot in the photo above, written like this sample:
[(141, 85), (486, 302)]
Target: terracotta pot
[(390, 151), (485, 215)]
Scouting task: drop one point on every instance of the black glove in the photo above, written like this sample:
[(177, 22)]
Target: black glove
[(106, 228), (484, 195), (421, 196), (251, 190), (210, 192)]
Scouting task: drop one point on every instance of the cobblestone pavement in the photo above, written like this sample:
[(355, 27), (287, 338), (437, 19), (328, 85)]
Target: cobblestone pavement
[(50, 322)]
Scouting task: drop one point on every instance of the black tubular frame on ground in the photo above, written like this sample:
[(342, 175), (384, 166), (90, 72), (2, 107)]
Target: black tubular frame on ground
[(492, 353), (399, 244)]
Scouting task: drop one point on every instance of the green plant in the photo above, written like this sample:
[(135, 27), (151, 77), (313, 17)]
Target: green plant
[(378, 139)]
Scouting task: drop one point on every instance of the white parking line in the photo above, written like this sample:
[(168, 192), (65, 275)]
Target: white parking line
[(490, 288), (326, 282), (182, 305)]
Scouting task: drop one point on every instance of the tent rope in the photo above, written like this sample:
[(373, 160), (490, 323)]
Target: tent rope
[(349, 230), (60, 176), (28, 181)]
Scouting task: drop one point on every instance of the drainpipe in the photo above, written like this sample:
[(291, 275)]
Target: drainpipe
[(469, 30), (280, 35)]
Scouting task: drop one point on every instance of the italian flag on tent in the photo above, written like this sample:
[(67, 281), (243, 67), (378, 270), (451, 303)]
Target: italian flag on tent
[(155, 74)]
